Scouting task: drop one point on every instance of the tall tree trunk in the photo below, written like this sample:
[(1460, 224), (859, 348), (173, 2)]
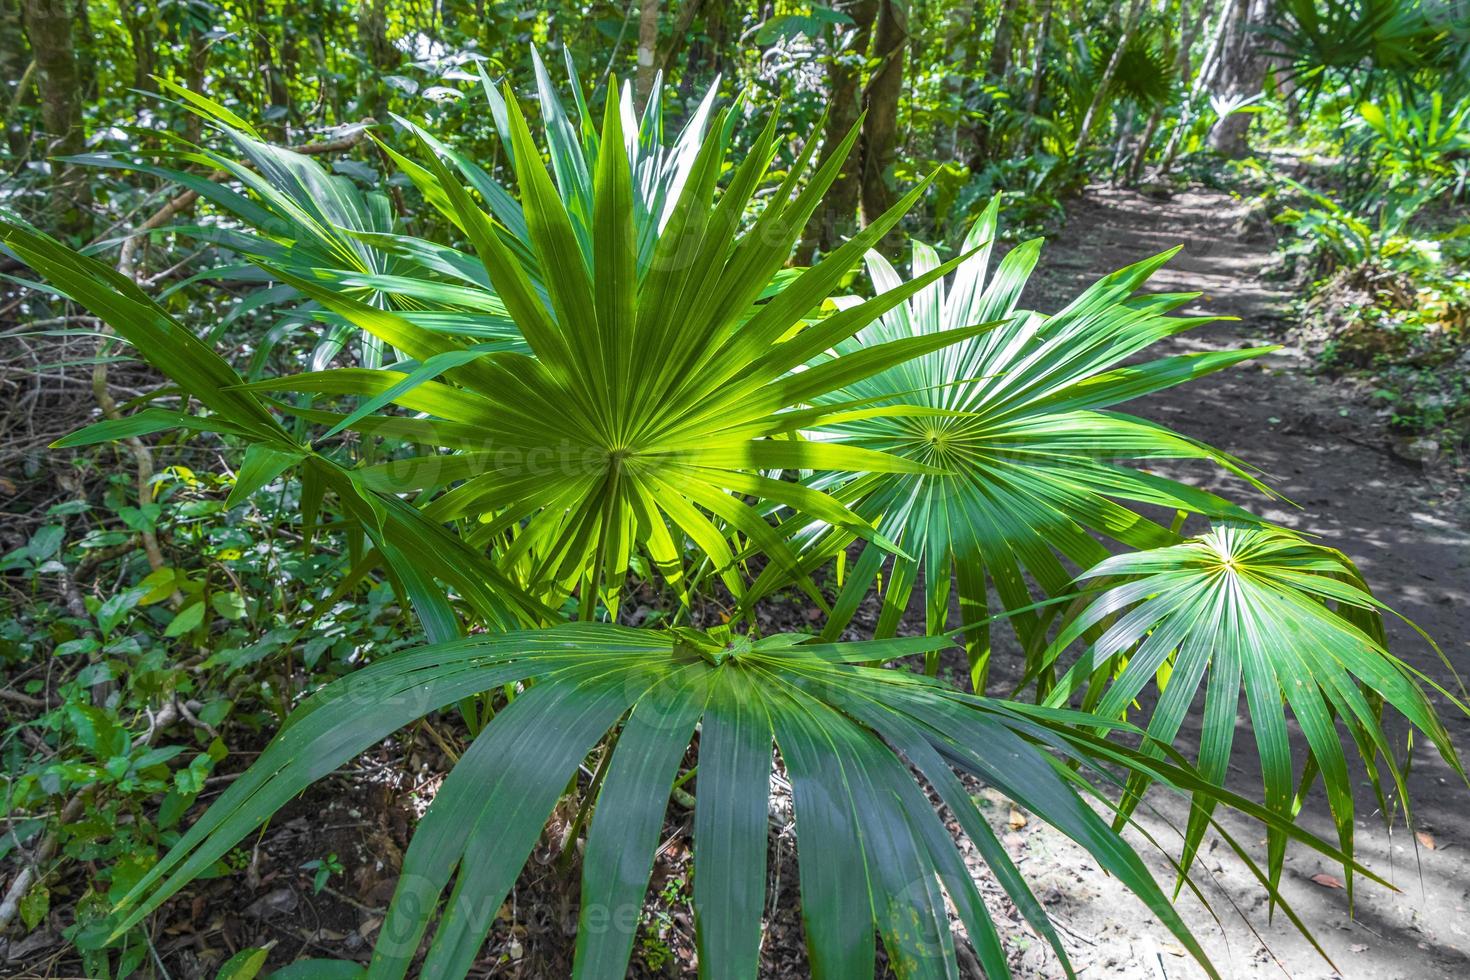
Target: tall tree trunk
[(717, 27), (1242, 72), (647, 49), (86, 61), (372, 34), (197, 59), (1189, 28), (688, 10), (995, 71), (1100, 97), (1206, 70), (836, 217), (272, 80), (17, 71), (1140, 154), (880, 128), (320, 24), (1038, 65), (49, 27), (1000, 48), (138, 19), (290, 52), (956, 53)]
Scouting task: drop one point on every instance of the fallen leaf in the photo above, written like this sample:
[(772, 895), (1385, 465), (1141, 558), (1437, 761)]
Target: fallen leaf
[(1425, 839), (1327, 881), (1017, 820)]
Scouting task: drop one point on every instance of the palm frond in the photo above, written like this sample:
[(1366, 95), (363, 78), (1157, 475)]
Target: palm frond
[(873, 855), (1031, 450), (1258, 608)]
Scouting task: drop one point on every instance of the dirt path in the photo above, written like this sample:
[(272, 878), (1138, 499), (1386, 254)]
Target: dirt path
[(1405, 527)]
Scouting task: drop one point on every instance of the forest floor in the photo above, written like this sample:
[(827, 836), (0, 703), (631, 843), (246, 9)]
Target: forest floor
[(1404, 522), (1401, 518)]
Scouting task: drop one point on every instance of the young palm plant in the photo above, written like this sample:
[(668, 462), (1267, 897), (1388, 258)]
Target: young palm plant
[(656, 406), (292, 214), (1254, 608), (1025, 447)]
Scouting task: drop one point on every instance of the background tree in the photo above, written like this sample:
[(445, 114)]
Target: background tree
[(50, 29), (648, 12), (381, 56), (880, 127), (836, 217), (17, 70), (1242, 72)]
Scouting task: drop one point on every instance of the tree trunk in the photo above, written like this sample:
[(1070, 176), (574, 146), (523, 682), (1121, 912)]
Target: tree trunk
[(995, 72), (372, 34), (1000, 48), (1135, 169), (836, 217), (320, 27), (86, 61), (1038, 57), (16, 69), (49, 28), (957, 55), (1206, 69), (290, 54), (647, 49), (880, 128), (1038, 65), (272, 81), (717, 27), (1099, 98), (688, 10), (1242, 72), (138, 20), (1189, 28), (198, 60)]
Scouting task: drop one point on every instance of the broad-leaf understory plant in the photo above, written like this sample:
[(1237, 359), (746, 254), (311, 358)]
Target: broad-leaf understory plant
[(662, 399)]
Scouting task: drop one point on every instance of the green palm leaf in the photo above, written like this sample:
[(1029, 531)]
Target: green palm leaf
[(874, 856), (1256, 608), (1031, 450), (651, 396)]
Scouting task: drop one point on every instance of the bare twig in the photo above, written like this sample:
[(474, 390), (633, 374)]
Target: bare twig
[(28, 876), (24, 700)]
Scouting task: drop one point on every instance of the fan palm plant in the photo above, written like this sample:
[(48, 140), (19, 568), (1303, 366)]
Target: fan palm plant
[(292, 214), (1258, 608), (1360, 41), (621, 457), (1025, 449), (662, 397)]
